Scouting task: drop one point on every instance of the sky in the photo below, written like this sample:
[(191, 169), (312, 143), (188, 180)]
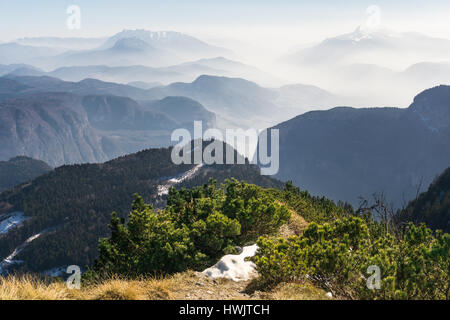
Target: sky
[(22, 18), (271, 27)]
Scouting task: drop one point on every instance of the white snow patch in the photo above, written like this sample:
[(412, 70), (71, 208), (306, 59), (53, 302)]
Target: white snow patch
[(13, 220), (234, 267), (9, 260), (56, 272), (164, 188)]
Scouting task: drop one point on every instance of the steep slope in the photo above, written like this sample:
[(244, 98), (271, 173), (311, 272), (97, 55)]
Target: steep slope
[(10, 88), (87, 121), (433, 108), (433, 206), (183, 110), (19, 170), (73, 204), (50, 127), (110, 113), (344, 153)]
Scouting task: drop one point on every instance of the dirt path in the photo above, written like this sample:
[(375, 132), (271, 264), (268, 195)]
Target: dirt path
[(196, 286)]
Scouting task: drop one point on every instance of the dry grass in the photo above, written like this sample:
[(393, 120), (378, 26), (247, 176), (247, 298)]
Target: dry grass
[(295, 226), (297, 291), (187, 285), (30, 288)]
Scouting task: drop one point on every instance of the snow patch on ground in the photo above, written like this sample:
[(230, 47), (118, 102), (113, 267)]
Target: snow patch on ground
[(9, 260), (56, 272), (13, 220), (164, 188), (234, 267)]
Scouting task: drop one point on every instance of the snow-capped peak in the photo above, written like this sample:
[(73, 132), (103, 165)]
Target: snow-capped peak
[(364, 32)]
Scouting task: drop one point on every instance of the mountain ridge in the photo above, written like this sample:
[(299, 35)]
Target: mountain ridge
[(344, 153), (61, 122), (20, 169)]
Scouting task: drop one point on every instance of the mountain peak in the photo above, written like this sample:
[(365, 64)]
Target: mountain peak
[(438, 96), (144, 36), (133, 43), (363, 32), (433, 107)]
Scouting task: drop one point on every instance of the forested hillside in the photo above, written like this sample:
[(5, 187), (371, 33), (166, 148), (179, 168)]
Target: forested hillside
[(335, 249), (432, 206), (19, 170), (344, 153), (73, 204)]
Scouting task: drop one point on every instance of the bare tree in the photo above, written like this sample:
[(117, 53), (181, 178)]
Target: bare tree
[(381, 211)]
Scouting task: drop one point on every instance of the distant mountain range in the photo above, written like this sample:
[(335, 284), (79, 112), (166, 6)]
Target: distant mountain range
[(242, 103), (182, 45), (375, 85), (14, 53), (344, 153), (378, 46), (232, 98), (188, 71), (19, 170), (376, 68), (19, 69), (101, 120), (64, 122), (129, 47), (64, 43)]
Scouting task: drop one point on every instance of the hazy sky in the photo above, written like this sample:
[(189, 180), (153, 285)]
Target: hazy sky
[(19, 18), (275, 25)]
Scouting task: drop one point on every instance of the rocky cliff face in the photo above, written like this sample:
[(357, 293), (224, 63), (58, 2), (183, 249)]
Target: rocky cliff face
[(433, 108), (344, 153), (52, 127), (63, 122)]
